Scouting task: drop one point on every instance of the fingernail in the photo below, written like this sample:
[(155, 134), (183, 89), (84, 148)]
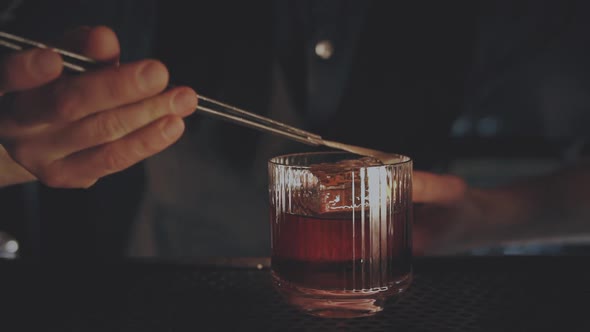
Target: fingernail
[(46, 62), (173, 128), (153, 75), (185, 102)]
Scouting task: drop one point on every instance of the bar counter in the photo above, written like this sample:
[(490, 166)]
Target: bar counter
[(467, 293)]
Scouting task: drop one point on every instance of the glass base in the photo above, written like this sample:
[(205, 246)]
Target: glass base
[(336, 303)]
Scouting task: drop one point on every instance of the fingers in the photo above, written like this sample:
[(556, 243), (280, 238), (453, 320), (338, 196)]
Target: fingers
[(32, 68), (84, 168), (72, 98), (29, 69), (70, 131), (100, 43), (437, 189), (108, 126)]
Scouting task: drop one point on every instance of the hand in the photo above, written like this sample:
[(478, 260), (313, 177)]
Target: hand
[(450, 217), (441, 212), (69, 131), (437, 189)]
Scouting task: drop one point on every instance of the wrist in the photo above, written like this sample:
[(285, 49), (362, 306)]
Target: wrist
[(11, 172)]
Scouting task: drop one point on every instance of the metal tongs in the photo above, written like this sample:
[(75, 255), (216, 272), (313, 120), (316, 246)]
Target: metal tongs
[(79, 64)]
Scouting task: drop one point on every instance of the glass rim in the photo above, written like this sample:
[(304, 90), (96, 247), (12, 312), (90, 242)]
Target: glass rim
[(404, 159)]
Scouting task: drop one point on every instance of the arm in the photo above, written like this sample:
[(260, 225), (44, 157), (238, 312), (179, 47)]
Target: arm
[(553, 205)]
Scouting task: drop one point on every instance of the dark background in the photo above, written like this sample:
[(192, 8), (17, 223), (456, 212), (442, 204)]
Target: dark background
[(523, 109)]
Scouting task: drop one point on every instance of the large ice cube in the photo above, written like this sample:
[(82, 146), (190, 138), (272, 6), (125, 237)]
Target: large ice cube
[(338, 188)]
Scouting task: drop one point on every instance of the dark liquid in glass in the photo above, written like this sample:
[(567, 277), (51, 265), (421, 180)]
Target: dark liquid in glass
[(335, 251)]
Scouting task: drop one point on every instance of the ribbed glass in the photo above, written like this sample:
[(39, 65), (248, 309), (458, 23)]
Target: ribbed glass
[(341, 231)]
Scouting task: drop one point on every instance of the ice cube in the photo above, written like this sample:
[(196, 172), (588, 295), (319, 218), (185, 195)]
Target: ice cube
[(341, 173), (339, 189)]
